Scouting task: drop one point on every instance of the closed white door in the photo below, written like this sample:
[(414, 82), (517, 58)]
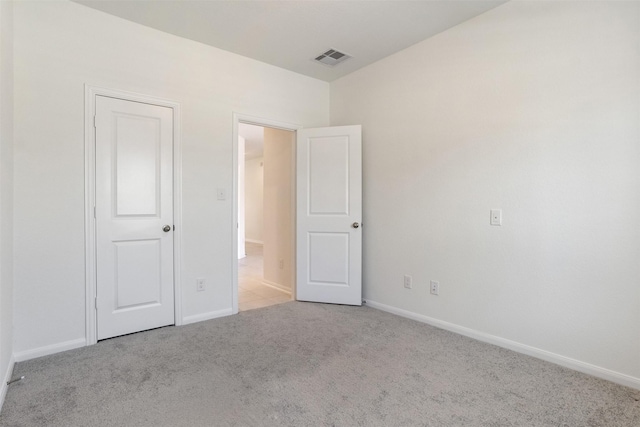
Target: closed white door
[(329, 213), (134, 216)]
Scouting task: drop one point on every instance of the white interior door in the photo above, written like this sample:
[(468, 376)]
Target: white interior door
[(329, 213), (134, 216)]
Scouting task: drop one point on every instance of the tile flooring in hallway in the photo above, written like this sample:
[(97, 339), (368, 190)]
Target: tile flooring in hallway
[(252, 292)]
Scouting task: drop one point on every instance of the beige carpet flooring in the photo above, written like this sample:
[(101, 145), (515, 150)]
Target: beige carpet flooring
[(303, 364)]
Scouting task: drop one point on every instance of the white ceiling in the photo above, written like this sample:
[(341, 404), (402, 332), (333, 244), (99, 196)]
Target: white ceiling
[(289, 34)]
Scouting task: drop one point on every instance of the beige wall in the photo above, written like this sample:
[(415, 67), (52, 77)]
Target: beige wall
[(278, 221), (254, 205), (6, 193), (532, 108)]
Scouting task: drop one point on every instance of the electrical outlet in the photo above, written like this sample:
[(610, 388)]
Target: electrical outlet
[(435, 287), (408, 282), (200, 284)]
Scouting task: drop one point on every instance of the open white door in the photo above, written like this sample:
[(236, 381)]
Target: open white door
[(329, 213), (134, 216)]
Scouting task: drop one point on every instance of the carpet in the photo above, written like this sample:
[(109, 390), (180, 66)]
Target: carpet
[(304, 364)]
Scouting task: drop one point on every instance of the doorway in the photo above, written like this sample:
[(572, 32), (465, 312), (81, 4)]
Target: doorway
[(266, 220), (326, 211)]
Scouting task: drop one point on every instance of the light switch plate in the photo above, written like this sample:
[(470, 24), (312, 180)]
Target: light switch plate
[(496, 216)]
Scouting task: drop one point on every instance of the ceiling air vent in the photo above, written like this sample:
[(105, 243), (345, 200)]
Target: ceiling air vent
[(332, 58)]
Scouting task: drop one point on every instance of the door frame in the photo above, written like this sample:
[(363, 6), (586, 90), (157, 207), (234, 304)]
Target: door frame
[(91, 92), (259, 121)]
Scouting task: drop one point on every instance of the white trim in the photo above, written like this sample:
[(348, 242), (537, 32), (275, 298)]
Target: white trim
[(207, 316), (89, 196), (49, 349), (294, 218), (259, 121), (558, 359), (7, 377), (259, 242), (277, 286)]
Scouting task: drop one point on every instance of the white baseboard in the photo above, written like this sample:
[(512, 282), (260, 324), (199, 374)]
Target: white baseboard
[(567, 362), (21, 356), (207, 316), (260, 242), (277, 286), (6, 378)]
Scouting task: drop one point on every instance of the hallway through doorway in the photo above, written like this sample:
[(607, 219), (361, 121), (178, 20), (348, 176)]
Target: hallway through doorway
[(253, 292)]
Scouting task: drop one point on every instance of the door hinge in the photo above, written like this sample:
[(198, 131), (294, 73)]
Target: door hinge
[(94, 122), (94, 212), (95, 300)]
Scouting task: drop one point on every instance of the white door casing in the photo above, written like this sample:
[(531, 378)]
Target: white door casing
[(242, 251), (134, 201), (329, 214)]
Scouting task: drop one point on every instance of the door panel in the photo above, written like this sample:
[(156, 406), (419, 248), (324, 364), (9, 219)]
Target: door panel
[(329, 202), (137, 162), (329, 176), (328, 259), (138, 266), (134, 201)]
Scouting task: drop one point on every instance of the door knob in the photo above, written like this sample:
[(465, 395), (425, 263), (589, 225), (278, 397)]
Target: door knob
[(166, 228), (355, 225)]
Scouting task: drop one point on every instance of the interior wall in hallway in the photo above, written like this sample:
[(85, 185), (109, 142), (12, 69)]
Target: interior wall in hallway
[(278, 219), (254, 197)]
